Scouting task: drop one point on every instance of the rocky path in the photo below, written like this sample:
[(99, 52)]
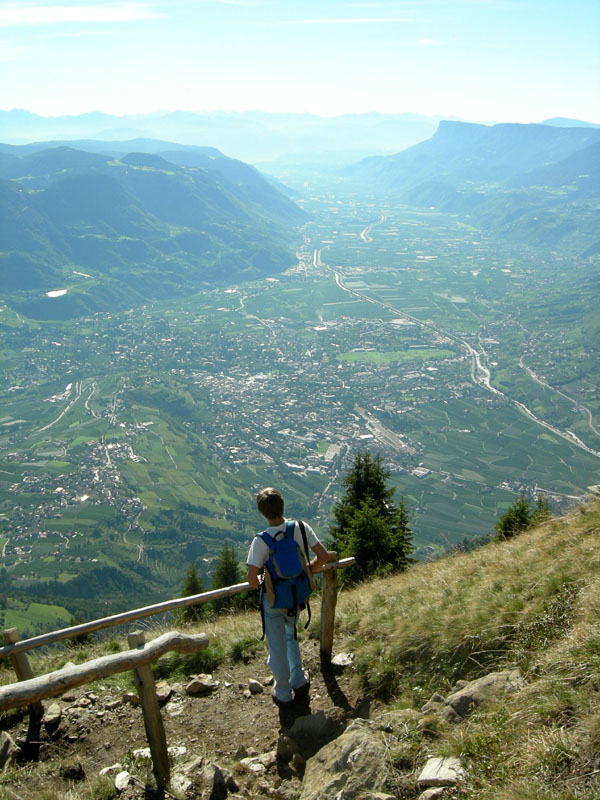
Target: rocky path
[(228, 733)]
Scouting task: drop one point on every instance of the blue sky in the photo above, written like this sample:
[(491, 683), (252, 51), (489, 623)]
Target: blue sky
[(504, 60)]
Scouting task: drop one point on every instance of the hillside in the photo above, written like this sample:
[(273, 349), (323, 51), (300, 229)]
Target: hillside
[(529, 604), (531, 184), (86, 231)]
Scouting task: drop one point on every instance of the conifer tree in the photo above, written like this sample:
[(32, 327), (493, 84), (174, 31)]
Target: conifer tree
[(227, 573), (520, 516), (192, 584), (368, 524)]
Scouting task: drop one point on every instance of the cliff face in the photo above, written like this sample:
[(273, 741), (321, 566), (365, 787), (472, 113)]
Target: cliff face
[(478, 670)]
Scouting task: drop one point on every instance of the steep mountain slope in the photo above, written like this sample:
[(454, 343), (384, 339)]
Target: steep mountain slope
[(461, 152), (137, 224), (535, 184)]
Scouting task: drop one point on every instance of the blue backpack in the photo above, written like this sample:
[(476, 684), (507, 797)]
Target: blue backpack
[(288, 580)]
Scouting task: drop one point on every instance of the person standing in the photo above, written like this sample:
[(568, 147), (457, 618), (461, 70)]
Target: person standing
[(285, 660)]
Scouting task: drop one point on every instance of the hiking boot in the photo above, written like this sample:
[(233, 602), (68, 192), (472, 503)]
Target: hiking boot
[(280, 703), (301, 693)]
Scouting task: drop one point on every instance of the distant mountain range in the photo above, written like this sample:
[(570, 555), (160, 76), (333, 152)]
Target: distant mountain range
[(253, 136), (539, 184), (85, 231)]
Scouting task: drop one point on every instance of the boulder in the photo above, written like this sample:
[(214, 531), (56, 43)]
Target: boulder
[(441, 772), (348, 767), (467, 696), (9, 750)]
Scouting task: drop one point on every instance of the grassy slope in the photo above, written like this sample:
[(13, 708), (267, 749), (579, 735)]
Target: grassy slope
[(532, 602)]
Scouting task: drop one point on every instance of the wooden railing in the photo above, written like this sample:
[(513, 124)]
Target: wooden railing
[(30, 691)]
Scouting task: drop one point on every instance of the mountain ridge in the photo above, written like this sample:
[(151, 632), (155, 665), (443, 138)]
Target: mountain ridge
[(114, 220), (529, 183)]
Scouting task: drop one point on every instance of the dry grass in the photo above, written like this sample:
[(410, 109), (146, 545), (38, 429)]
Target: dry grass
[(532, 602)]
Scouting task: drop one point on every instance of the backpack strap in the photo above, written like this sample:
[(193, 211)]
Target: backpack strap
[(267, 539), (309, 573), (304, 540), (289, 529)]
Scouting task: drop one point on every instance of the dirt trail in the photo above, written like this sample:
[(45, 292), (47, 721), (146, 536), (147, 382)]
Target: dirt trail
[(223, 726)]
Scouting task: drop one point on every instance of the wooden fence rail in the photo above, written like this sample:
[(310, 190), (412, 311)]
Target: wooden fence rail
[(16, 695), (12, 648)]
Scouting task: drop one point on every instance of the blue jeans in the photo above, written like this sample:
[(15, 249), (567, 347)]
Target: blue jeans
[(284, 658)]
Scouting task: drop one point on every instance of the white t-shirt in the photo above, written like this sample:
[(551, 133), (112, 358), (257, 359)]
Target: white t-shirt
[(259, 551)]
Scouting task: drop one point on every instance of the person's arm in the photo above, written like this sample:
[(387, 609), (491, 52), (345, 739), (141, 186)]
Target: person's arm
[(321, 557), (253, 576)]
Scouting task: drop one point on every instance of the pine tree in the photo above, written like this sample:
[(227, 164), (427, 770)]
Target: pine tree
[(520, 516), (227, 573), (368, 524), (192, 584)]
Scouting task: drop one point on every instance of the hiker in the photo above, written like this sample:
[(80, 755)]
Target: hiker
[(279, 624)]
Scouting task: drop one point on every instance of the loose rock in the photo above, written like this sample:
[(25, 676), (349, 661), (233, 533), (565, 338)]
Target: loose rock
[(113, 768), (122, 780), (201, 684), (441, 772), (52, 716), (255, 687), (343, 660), (435, 793), (180, 784), (163, 692)]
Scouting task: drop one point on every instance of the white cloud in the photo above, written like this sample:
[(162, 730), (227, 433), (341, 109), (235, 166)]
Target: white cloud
[(14, 16)]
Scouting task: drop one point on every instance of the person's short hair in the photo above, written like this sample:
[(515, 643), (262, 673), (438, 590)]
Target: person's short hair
[(270, 503)]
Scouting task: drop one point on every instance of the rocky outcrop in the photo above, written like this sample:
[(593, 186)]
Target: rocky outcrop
[(348, 766), (465, 696)]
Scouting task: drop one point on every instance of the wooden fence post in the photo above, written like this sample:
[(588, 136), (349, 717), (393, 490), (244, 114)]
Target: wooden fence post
[(328, 604), (153, 722), (23, 670)]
